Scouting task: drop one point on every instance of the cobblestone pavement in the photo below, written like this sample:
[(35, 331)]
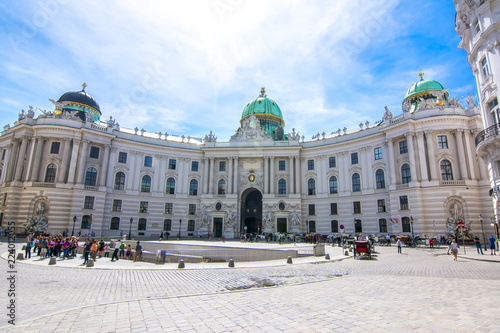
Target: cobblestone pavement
[(419, 290)]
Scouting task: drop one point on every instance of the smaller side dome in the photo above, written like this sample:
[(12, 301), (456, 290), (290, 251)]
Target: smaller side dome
[(81, 103), (423, 90)]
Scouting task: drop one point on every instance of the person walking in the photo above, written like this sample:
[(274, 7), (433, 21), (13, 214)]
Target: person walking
[(399, 244), (27, 250), (479, 248), (116, 249), (138, 252), (492, 245), (454, 249)]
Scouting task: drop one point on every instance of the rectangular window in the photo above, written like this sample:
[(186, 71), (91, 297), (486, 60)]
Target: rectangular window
[(169, 208), (403, 202), (122, 157), (312, 227), (354, 158), (312, 209), (310, 164), (142, 224), (222, 165), (335, 225), (94, 152), (382, 225), (190, 225), (117, 205), (333, 208), (442, 142), (148, 161), (358, 226), (493, 104), (381, 205), (332, 162), (89, 203), (403, 147), (377, 152), (172, 164), (477, 27), (281, 165), (356, 207), (485, 67), (192, 209), (115, 223), (54, 148), (194, 166), (167, 225), (143, 207)]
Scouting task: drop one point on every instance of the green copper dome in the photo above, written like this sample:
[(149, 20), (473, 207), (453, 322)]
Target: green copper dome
[(268, 112), (424, 90)]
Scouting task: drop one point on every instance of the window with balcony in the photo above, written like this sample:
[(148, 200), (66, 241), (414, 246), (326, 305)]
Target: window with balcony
[(146, 184), (380, 179), (91, 177), (119, 181), (50, 173), (356, 182), (282, 186), (170, 189), (446, 170), (311, 186), (193, 187)]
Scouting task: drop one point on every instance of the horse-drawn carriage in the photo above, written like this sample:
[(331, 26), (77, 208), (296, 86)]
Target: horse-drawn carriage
[(362, 248)]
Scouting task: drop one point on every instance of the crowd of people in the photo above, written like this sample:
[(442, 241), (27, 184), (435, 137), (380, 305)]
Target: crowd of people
[(65, 247)]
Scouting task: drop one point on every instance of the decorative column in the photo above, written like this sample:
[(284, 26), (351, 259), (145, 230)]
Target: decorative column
[(72, 163), (422, 156), (462, 162), (272, 176), (266, 174), (63, 174), (8, 153), (345, 177), (291, 162), (206, 163), (211, 176), (12, 160), (432, 154), (230, 175), (20, 159), (236, 175), (392, 166), (471, 153), (110, 169), (82, 162), (411, 153), (365, 171), (105, 162), (298, 171)]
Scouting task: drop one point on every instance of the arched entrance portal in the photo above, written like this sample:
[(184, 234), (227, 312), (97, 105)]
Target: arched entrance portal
[(251, 212)]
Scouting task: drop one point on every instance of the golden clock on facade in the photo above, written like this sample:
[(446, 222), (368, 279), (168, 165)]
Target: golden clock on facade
[(251, 178)]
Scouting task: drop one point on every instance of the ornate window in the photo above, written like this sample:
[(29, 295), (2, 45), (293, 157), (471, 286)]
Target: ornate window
[(193, 187), (120, 181), (380, 179), (356, 182), (50, 173), (170, 186), (333, 185), (311, 187), (91, 177), (221, 187), (405, 173), (282, 186), (146, 184), (446, 170)]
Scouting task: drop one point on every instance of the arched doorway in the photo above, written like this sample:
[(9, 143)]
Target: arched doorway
[(251, 212)]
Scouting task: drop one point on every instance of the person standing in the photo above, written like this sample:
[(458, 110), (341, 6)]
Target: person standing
[(27, 250), (492, 245), (479, 248), (86, 251), (138, 252), (388, 240), (399, 244), (122, 249), (454, 249)]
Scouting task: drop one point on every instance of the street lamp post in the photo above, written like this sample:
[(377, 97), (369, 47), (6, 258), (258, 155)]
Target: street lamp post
[(180, 222), (482, 230), (130, 228), (412, 233), (73, 231)]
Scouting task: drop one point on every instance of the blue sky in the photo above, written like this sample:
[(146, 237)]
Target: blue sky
[(190, 67)]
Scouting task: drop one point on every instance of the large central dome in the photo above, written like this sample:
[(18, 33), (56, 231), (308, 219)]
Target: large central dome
[(423, 90), (81, 104), (268, 112)]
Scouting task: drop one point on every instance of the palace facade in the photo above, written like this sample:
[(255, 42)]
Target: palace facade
[(415, 172)]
